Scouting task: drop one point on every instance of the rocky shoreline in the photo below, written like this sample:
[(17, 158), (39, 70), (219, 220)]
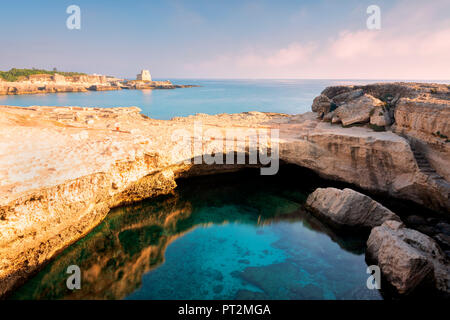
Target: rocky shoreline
[(407, 258), (45, 83), (63, 168)]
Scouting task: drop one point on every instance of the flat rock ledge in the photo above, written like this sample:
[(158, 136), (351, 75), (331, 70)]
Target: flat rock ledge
[(348, 208), (408, 258)]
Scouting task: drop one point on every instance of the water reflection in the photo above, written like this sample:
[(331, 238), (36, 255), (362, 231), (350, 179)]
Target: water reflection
[(219, 237)]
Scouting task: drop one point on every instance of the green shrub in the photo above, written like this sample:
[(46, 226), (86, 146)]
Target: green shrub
[(376, 128), (440, 135), (333, 106), (353, 125), (15, 74), (387, 97)]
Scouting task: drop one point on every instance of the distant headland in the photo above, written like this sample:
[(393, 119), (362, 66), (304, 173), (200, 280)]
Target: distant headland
[(33, 81)]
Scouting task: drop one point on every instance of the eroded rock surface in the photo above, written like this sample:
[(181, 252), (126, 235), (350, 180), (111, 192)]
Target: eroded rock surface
[(63, 168), (419, 112), (408, 258), (321, 104), (47, 83), (426, 123), (348, 208), (357, 110), (417, 106)]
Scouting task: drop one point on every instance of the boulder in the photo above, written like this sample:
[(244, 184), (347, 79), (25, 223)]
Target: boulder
[(348, 208), (380, 117), (347, 96), (329, 116), (325, 107), (321, 104), (407, 258), (358, 110), (417, 110), (333, 91)]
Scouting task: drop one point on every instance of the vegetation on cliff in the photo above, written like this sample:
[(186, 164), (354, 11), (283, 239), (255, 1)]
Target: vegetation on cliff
[(16, 74)]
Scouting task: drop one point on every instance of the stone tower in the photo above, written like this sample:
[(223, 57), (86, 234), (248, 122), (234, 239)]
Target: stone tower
[(144, 76)]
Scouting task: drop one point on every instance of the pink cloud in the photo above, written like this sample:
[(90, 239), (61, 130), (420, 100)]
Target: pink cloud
[(417, 46), (295, 53)]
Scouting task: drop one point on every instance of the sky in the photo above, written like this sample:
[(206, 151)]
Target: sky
[(303, 39)]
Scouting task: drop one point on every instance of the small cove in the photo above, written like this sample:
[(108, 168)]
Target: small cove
[(229, 236)]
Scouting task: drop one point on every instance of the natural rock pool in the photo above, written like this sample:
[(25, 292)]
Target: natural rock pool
[(231, 236)]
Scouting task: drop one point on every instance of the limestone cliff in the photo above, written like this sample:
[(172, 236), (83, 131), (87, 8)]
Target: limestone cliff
[(348, 209), (418, 112), (46, 83), (426, 123)]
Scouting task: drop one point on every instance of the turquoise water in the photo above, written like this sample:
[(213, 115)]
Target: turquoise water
[(236, 236), (213, 97)]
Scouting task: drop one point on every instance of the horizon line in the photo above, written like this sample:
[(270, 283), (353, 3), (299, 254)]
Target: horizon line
[(336, 79)]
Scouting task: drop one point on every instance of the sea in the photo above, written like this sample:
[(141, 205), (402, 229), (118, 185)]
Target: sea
[(211, 97)]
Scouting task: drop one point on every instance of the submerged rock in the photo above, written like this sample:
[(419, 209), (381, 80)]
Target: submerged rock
[(408, 258), (348, 208)]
